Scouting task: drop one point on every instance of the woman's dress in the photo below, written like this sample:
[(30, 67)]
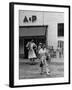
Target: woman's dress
[(31, 52)]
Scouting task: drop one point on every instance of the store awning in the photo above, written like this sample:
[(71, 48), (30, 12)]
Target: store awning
[(32, 31)]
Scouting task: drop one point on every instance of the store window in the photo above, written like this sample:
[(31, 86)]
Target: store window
[(60, 29), (60, 44)]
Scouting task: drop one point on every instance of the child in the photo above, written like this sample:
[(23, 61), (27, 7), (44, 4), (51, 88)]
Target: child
[(40, 52), (43, 62)]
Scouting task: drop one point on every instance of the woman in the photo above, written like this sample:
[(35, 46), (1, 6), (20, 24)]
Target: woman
[(31, 53), (43, 62)]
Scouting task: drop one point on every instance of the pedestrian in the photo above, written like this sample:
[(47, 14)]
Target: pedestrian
[(31, 53), (40, 52), (43, 62)]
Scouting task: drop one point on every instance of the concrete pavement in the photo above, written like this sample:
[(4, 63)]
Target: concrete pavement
[(27, 70)]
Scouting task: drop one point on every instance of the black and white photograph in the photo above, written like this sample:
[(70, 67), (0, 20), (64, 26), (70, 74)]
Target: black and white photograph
[(41, 44)]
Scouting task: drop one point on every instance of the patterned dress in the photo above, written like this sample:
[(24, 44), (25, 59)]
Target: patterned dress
[(31, 52)]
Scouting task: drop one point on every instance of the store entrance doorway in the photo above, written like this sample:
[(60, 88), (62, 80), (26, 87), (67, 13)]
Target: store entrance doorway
[(27, 33), (36, 41)]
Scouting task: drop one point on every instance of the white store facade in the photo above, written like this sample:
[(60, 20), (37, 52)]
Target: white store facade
[(40, 20)]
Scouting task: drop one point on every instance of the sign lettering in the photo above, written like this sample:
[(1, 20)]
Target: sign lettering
[(30, 19)]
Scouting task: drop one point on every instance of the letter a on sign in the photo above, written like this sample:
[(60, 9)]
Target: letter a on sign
[(25, 19)]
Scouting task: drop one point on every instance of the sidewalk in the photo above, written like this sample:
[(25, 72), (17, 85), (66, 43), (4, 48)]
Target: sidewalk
[(58, 60), (26, 70), (53, 60)]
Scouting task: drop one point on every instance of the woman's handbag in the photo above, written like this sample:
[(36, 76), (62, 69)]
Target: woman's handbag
[(41, 64)]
